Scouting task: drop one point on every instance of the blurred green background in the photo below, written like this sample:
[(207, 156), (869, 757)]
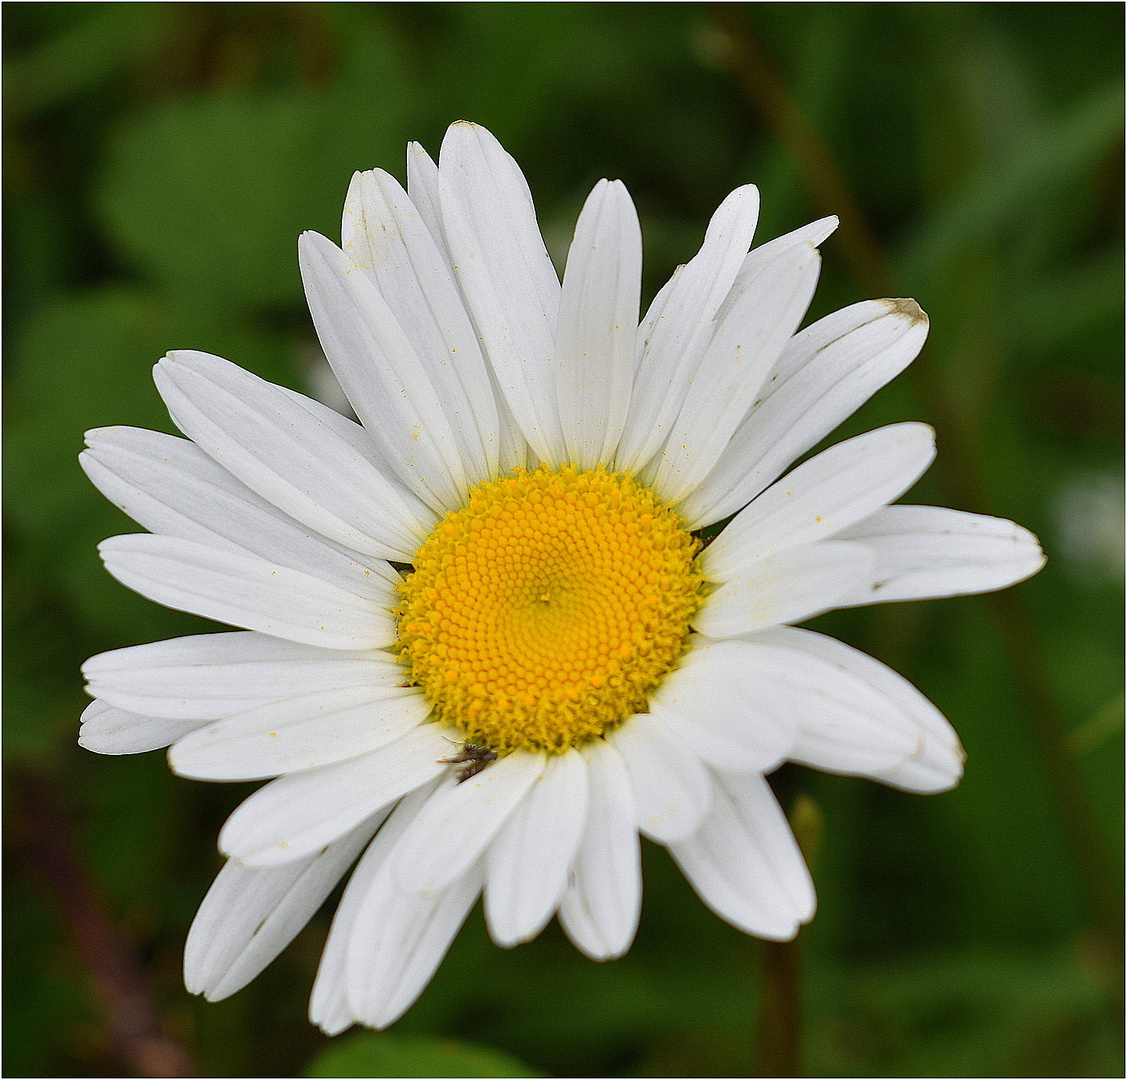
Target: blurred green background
[(159, 162)]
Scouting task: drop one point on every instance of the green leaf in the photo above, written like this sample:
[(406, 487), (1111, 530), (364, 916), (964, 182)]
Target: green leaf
[(208, 196), (379, 1054)]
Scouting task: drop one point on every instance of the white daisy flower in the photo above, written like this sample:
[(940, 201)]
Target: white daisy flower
[(482, 647)]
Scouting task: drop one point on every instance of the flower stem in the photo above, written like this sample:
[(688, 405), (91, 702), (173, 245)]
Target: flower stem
[(115, 970), (779, 1035), (779, 1027)]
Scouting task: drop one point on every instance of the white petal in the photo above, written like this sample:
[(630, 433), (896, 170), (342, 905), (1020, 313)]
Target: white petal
[(458, 824), (527, 864), (422, 187), (172, 488), (785, 586), (601, 906), (250, 915), (385, 234), (298, 814), (278, 447), (383, 376), (761, 256), (109, 730), (208, 676), (679, 324), (328, 1005), (353, 435), (842, 705), (671, 788), (598, 320), (744, 863), (299, 733), (409, 936), (725, 703), (930, 551), (825, 373), (875, 722), (724, 384), (824, 495), (508, 282), (246, 591)]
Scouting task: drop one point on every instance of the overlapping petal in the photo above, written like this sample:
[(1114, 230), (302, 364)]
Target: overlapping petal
[(846, 712), (679, 324), (760, 257), (456, 826), (669, 786), (302, 732), (209, 676), (250, 914), (745, 346), (744, 864), (329, 1005), (823, 496), (526, 869), (246, 591), (855, 715), (300, 813), (172, 488), (384, 234), (597, 328), (424, 439), (724, 699), (508, 283), (398, 937), (930, 551), (106, 729), (599, 909), (825, 373), (287, 452)]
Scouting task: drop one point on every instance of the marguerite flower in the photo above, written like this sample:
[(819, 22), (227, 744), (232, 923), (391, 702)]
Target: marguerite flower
[(482, 645)]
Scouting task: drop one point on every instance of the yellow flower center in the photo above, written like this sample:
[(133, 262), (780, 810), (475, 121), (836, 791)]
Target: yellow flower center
[(543, 612)]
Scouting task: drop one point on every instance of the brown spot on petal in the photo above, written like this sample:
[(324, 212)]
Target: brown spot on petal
[(907, 308)]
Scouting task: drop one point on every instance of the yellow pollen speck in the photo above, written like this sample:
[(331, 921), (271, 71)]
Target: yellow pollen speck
[(543, 612)]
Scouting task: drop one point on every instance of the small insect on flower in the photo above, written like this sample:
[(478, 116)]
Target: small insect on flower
[(472, 759)]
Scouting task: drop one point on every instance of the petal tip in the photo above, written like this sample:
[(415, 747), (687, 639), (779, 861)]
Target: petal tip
[(907, 309)]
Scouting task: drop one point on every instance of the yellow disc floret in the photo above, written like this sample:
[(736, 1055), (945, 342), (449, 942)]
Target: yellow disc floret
[(543, 612)]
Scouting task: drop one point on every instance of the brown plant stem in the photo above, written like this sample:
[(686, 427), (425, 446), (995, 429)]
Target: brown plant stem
[(117, 973), (778, 1042)]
